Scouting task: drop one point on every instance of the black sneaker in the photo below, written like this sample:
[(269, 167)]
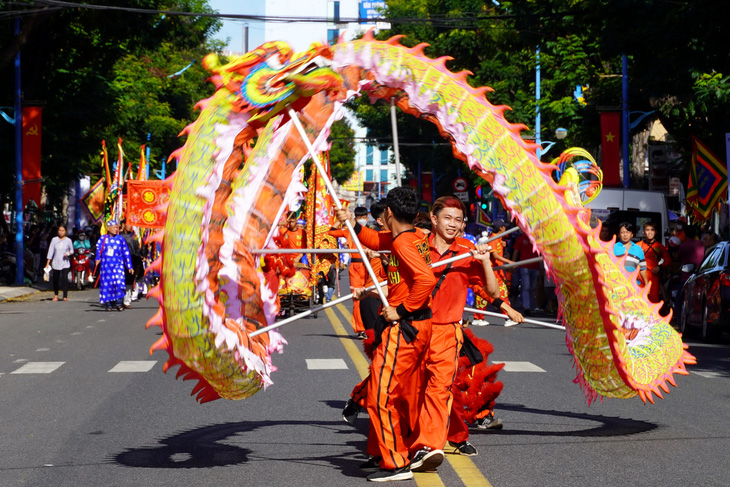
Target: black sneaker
[(362, 335), (384, 475), (426, 459), (350, 412), (489, 422), (372, 465), (464, 448)]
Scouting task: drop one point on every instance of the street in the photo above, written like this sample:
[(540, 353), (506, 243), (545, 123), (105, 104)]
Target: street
[(84, 404)]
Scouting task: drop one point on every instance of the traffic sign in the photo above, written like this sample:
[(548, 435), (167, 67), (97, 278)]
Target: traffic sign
[(460, 185)]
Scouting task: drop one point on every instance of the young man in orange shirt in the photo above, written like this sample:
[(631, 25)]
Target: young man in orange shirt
[(404, 340), (448, 301)]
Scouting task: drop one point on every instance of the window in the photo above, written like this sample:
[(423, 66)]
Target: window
[(383, 175), (369, 175), (369, 155), (383, 157), (332, 36), (712, 259)]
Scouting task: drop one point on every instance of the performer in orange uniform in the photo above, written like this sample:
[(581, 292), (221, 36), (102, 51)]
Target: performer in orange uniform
[(291, 235), (434, 390), (403, 342), (657, 257), (357, 272)]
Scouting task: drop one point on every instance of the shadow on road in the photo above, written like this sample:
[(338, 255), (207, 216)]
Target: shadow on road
[(610, 426), (202, 448)]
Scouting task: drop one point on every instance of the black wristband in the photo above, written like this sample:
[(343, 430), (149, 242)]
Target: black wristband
[(401, 310), (498, 303)]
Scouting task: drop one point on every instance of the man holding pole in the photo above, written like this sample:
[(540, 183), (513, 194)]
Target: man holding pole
[(404, 340), (434, 393)]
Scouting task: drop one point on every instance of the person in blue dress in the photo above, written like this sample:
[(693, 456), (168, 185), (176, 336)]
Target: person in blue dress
[(112, 253), (634, 254)]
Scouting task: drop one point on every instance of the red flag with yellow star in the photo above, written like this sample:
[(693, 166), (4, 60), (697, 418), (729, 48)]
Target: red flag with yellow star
[(610, 149)]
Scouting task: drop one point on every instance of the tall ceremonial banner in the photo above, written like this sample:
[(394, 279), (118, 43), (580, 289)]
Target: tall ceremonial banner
[(94, 200), (31, 173), (144, 200), (707, 181), (142, 170), (611, 148), (320, 215)]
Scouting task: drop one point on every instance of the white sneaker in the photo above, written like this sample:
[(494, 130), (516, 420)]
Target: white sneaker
[(479, 323), (510, 323)]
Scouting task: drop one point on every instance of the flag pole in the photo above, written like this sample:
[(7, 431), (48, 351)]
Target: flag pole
[(336, 200)]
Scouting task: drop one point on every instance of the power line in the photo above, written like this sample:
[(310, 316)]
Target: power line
[(439, 20)]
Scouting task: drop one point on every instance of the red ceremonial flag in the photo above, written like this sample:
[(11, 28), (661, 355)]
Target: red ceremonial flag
[(611, 148), (144, 203), (32, 155), (426, 187)]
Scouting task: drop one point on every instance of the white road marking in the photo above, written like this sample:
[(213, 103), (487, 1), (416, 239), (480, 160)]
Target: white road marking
[(77, 333), (711, 374), (134, 366), (520, 367), (38, 368), (100, 321), (90, 326), (20, 361), (42, 349), (325, 364)]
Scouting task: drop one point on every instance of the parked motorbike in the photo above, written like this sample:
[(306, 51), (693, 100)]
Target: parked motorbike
[(81, 266)]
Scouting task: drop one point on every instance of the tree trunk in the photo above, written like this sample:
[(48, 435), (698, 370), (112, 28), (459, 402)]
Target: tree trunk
[(639, 144)]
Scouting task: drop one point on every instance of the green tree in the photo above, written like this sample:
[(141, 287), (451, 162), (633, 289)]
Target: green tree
[(91, 70), (342, 151)]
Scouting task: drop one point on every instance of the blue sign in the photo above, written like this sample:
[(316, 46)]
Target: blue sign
[(370, 9)]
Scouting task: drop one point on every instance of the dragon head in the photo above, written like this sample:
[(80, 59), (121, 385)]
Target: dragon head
[(271, 77)]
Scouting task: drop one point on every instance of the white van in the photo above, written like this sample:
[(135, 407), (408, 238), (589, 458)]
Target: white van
[(614, 206)]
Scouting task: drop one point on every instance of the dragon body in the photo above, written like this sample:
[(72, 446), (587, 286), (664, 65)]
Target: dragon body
[(212, 294)]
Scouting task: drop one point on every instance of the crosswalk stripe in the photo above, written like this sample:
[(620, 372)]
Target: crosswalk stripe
[(514, 366), (134, 366), (38, 368), (326, 364)]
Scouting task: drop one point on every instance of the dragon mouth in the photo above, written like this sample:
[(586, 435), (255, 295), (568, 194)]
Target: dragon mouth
[(294, 71)]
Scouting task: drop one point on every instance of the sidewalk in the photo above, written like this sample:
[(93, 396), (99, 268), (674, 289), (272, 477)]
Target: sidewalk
[(13, 292)]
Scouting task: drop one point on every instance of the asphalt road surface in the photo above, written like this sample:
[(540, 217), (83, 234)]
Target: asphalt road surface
[(84, 404)]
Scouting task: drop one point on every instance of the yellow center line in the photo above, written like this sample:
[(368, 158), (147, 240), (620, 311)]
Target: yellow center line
[(358, 358), (464, 467), (467, 471)]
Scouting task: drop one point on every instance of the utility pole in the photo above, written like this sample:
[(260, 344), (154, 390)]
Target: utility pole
[(19, 247), (245, 39), (625, 119)]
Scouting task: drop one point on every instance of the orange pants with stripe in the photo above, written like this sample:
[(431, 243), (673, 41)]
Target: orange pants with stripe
[(391, 372), (458, 429), (429, 396)]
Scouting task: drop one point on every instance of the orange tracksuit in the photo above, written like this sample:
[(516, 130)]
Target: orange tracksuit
[(358, 276), (654, 253), (442, 356), (410, 282)]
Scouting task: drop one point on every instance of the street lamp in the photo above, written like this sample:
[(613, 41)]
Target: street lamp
[(560, 134)]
